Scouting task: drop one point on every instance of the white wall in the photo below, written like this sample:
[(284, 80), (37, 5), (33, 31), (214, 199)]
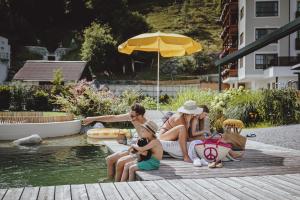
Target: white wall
[(4, 58)]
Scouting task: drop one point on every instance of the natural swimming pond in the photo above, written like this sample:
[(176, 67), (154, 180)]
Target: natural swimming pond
[(51, 165)]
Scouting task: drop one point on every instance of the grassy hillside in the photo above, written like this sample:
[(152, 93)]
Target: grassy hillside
[(195, 18)]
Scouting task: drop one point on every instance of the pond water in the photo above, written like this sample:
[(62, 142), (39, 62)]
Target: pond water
[(68, 160)]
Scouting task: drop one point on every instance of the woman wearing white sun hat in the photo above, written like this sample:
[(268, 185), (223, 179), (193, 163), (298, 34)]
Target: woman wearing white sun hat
[(178, 126)]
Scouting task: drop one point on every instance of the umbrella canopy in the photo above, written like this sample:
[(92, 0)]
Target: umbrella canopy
[(166, 44)]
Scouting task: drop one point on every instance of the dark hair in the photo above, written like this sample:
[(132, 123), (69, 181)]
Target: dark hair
[(141, 143), (138, 108), (205, 108)]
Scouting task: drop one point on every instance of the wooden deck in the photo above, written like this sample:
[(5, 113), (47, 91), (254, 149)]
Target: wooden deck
[(255, 187), (259, 159)]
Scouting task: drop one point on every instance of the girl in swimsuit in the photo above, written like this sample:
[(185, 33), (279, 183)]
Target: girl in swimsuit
[(179, 126)]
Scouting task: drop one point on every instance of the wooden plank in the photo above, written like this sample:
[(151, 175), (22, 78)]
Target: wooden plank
[(201, 190), (293, 176), (288, 179), (110, 192), (63, 192), (156, 190), (229, 189), (218, 191), (46, 193), (291, 185), (78, 192), (125, 191), (279, 185), (206, 173), (171, 190), (94, 192), (246, 190), (275, 190), (13, 194), (260, 190), (185, 189), (140, 190), (30, 193), (2, 193)]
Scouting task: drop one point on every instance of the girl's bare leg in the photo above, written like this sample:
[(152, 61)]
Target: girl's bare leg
[(111, 160), (178, 133), (132, 170), (125, 173), (120, 166)]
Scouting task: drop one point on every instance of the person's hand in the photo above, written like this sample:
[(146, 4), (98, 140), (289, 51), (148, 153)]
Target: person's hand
[(134, 146), (88, 120)]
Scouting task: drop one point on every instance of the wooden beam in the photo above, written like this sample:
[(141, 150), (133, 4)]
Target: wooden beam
[(262, 42)]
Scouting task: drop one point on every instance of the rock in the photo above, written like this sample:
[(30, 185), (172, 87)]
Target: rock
[(98, 125), (30, 140)]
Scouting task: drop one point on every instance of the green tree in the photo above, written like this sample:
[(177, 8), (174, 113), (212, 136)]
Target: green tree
[(99, 47), (58, 83)]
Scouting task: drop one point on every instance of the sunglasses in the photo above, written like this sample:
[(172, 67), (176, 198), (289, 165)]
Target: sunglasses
[(132, 116)]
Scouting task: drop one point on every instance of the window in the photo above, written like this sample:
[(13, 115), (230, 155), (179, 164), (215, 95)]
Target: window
[(242, 13), (241, 38), (298, 6), (298, 34), (266, 8), (263, 61), (260, 32)]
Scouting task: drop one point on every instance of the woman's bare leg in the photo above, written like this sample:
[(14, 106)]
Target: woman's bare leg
[(132, 170), (178, 133), (120, 166), (111, 160)]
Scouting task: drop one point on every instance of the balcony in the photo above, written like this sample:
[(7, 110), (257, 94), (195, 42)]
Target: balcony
[(230, 71), (284, 61), (297, 43), (4, 57), (229, 30), (231, 7)]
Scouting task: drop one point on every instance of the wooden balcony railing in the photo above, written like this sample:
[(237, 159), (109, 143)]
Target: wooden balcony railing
[(283, 61)]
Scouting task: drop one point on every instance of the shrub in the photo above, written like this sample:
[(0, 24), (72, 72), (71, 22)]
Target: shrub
[(20, 93), (83, 100), (40, 101), (4, 97), (279, 106), (149, 103), (244, 106), (202, 97)]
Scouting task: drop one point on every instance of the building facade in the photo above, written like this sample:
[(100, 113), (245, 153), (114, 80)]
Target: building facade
[(4, 58), (270, 66)]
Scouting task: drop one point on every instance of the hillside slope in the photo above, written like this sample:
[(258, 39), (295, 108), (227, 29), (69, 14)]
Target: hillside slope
[(195, 18)]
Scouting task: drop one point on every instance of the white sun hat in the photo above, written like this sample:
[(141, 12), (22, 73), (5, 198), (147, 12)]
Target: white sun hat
[(190, 107)]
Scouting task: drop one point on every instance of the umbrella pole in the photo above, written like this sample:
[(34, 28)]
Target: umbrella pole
[(157, 89)]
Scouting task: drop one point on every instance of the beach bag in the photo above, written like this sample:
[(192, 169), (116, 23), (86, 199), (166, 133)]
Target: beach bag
[(212, 150), (237, 141)]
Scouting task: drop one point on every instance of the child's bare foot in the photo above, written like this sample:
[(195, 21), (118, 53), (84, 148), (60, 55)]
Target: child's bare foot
[(187, 159)]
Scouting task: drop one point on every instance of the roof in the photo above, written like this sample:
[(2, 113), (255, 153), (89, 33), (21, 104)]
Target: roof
[(44, 70)]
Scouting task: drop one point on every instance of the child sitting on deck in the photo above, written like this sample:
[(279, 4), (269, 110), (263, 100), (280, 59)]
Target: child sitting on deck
[(146, 155), (154, 145)]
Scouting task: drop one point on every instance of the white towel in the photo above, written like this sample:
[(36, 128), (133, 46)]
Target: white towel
[(173, 148), (191, 150)]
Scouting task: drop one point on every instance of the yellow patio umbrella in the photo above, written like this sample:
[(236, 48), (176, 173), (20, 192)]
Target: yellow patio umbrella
[(165, 44)]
